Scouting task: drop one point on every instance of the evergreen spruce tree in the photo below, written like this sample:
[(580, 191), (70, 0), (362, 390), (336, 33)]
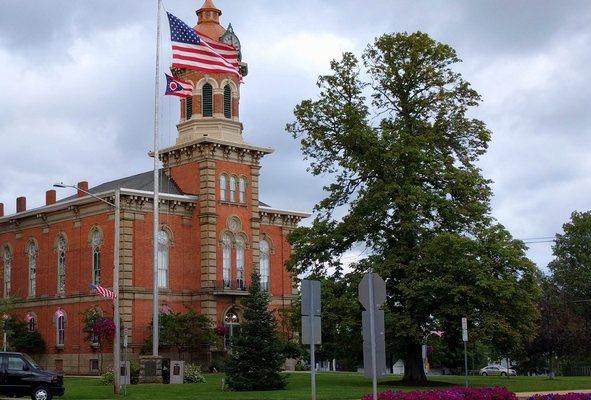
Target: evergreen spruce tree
[(257, 353)]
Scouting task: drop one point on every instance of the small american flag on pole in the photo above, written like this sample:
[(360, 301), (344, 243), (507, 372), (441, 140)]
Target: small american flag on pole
[(200, 53), (103, 291)]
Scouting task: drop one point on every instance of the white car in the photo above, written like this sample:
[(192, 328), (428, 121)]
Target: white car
[(497, 370)]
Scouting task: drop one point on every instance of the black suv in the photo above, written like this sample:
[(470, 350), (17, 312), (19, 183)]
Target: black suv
[(21, 376)]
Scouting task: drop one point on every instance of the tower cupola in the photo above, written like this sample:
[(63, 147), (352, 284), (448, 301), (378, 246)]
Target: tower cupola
[(208, 21)]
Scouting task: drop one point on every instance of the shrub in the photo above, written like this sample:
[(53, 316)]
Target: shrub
[(566, 396), (108, 378), (193, 374), (457, 393), (134, 373)]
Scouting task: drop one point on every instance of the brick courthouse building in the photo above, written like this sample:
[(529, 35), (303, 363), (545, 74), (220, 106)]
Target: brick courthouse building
[(214, 232)]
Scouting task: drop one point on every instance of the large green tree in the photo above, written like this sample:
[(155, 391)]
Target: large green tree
[(257, 353), (341, 320), (393, 133), (571, 267), (186, 331)]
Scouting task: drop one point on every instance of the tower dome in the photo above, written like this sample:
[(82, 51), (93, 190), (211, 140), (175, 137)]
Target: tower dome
[(208, 20)]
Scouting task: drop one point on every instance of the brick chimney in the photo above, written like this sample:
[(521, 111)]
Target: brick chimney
[(83, 185), (1, 210), (50, 197), (21, 204)]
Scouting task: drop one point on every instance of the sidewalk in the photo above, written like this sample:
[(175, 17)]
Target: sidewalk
[(525, 395)]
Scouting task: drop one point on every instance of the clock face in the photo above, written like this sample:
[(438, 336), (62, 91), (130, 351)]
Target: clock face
[(231, 39)]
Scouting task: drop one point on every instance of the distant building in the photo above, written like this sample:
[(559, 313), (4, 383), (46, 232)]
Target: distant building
[(213, 232)]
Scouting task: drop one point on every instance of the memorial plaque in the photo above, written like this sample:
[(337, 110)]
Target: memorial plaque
[(177, 375), (150, 368)]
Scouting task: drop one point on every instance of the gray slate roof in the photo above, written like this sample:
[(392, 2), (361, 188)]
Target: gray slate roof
[(143, 181)]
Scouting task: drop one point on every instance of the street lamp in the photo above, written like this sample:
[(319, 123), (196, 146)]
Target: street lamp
[(116, 318)]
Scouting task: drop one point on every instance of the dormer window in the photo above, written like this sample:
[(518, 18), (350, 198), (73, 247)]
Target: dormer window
[(207, 100), (227, 101)]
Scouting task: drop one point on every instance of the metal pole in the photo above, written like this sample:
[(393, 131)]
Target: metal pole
[(116, 318), (465, 364), (312, 346), (155, 323), (374, 374), (4, 342)]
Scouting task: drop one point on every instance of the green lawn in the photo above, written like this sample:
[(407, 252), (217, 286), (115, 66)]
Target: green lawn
[(338, 385)]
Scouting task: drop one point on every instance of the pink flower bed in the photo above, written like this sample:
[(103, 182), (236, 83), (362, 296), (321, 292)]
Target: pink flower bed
[(566, 396), (456, 393)]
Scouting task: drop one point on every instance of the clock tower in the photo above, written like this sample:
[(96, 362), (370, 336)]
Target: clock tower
[(211, 160), (214, 109)]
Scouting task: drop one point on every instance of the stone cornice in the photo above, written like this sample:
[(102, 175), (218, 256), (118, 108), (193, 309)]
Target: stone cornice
[(210, 148), (131, 200), (283, 218)]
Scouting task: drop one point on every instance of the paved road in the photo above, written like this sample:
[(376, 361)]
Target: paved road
[(526, 395)]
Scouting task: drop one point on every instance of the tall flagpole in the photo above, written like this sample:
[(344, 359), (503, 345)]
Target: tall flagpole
[(155, 323)]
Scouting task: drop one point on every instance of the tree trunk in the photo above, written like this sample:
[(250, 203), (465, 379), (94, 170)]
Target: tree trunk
[(414, 371)]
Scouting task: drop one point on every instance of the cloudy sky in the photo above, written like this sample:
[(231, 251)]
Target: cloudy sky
[(77, 89)]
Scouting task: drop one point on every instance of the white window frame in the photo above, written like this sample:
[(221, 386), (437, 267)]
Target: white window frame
[(223, 187), (240, 247), (60, 331), (163, 258), (265, 264), (232, 188), (226, 261), (32, 251), (242, 189), (61, 263), (96, 242), (7, 257)]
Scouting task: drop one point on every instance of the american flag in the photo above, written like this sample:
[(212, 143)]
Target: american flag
[(103, 291), (177, 87), (200, 53)]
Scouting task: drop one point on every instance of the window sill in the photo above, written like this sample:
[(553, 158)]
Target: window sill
[(233, 203), (59, 347)]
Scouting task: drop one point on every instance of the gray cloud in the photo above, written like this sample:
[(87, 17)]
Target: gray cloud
[(76, 98)]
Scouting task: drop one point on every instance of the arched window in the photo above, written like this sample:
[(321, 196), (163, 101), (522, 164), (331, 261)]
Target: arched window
[(242, 189), (264, 264), (232, 188), (61, 264), (96, 240), (163, 247), (188, 107), (226, 259), (240, 245), (7, 257), (223, 186), (60, 327), (227, 101), (207, 100), (232, 322), (31, 322), (32, 252)]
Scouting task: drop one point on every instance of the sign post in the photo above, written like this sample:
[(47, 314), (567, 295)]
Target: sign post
[(465, 340), (372, 294), (5, 318), (127, 365), (311, 323)]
